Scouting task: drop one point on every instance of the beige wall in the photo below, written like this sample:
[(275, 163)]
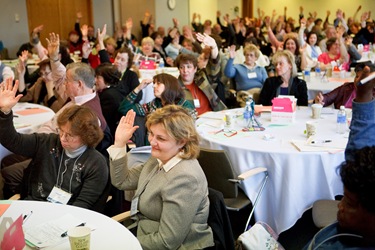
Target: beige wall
[(320, 6)]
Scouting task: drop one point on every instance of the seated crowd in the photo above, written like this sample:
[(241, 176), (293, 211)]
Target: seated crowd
[(98, 103)]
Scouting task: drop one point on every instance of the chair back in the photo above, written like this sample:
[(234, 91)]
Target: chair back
[(218, 170), (218, 220)]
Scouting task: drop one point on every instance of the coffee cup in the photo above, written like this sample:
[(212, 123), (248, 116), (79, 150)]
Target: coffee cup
[(310, 128), (79, 238), (316, 110)]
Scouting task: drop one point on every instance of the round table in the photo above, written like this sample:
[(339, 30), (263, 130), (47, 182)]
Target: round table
[(28, 117), (296, 179), (108, 233)]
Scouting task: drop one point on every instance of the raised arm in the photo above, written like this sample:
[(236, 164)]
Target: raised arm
[(21, 69), (210, 42), (57, 68)]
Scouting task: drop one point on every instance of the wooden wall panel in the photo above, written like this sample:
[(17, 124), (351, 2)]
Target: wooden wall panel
[(57, 16)]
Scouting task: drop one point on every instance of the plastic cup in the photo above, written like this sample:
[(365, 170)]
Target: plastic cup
[(79, 238), (229, 121), (316, 110), (310, 128)]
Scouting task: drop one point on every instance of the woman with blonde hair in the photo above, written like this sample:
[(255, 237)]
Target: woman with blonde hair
[(285, 82), (248, 76), (171, 203)]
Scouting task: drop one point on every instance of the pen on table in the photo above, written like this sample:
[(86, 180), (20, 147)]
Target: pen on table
[(15, 116), (66, 232), (323, 141), (27, 216)]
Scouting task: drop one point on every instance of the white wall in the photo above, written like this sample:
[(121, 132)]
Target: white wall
[(227, 7), (163, 15), (13, 33), (102, 14)]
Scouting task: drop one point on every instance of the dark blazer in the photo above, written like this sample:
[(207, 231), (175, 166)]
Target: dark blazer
[(110, 100), (269, 91)]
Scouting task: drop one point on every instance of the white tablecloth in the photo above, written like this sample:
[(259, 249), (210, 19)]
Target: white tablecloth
[(108, 234), (316, 85), (296, 179)]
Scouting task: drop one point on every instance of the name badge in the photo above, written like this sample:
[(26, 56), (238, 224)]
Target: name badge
[(134, 206), (58, 195), (251, 75), (197, 104)]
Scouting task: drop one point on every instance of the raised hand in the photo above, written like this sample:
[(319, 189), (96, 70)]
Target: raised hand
[(84, 30), (79, 15), (129, 24), (125, 129), (21, 69), (53, 46), (86, 49), (206, 40), (8, 96), (143, 84), (101, 36), (232, 51)]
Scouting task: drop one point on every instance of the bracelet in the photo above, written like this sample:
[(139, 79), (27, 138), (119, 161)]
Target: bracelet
[(54, 60)]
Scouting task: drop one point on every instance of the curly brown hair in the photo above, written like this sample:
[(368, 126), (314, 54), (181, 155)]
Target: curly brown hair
[(84, 123)]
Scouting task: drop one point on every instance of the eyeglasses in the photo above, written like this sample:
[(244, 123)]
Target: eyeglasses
[(68, 137)]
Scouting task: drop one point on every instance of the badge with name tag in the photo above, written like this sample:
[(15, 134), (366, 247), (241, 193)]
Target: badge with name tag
[(134, 206), (251, 75), (58, 195), (197, 104)]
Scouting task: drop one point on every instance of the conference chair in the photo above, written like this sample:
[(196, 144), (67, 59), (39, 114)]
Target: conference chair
[(220, 176)]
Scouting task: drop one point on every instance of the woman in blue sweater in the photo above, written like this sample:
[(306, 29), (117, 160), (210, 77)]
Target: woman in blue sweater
[(248, 76)]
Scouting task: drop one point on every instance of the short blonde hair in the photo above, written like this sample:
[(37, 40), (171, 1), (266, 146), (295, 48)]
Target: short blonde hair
[(148, 40), (180, 126), (251, 48), (110, 41), (289, 57)]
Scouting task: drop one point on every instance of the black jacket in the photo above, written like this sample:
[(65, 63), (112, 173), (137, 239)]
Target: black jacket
[(270, 90)]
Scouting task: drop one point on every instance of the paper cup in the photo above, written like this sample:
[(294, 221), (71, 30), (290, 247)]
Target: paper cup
[(79, 238), (310, 128), (316, 110)]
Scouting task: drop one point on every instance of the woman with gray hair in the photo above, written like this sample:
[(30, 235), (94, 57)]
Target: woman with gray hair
[(285, 82)]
